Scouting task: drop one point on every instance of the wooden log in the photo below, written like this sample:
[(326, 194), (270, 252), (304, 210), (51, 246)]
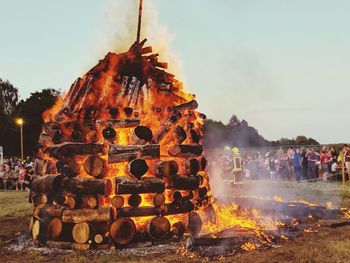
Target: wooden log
[(39, 230), (72, 149), (103, 214), (88, 202), (137, 168), (159, 228), (83, 186), (189, 167), (178, 229), (91, 136), (167, 209), (122, 231), (185, 150), (46, 184), (184, 182), (165, 169), (99, 239), (158, 200), (165, 128), (339, 224), (82, 232), (126, 185), (59, 244), (122, 153), (202, 192), (55, 227), (68, 167), (180, 134), (51, 127), (95, 166), (134, 200), (45, 138), (39, 199), (117, 201), (194, 224), (202, 163), (109, 133), (47, 212), (118, 123), (191, 105), (195, 138), (141, 135)]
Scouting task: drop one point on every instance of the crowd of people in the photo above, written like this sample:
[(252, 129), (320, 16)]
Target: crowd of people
[(301, 164), (16, 174)]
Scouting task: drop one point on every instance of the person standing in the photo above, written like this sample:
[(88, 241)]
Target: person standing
[(304, 163), (311, 162), (346, 156), (325, 159), (297, 165)]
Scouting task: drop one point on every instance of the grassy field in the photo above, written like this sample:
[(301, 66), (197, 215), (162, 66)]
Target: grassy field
[(327, 245)]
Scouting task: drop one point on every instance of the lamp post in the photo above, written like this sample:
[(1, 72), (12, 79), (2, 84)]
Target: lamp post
[(20, 122)]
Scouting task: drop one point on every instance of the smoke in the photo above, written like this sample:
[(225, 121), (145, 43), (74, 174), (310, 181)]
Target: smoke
[(118, 28)]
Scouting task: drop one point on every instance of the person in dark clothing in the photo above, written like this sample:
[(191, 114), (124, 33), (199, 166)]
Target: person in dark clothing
[(297, 165), (304, 167)]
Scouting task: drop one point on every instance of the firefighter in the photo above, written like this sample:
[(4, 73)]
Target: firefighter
[(226, 163), (237, 167)]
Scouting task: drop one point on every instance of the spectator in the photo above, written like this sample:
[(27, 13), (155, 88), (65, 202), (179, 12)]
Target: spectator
[(297, 165), (325, 159), (282, 163), (304, 163), (311, 162)]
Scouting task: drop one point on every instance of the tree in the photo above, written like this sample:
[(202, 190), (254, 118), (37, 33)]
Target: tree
[(8, 97)]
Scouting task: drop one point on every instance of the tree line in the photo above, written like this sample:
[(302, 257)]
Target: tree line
[(235, 133)]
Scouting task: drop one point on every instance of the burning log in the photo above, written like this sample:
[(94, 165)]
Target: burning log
[(184, 182), (158, 200), (178, 229), (141, 135), (134, 200), (203, 163), (165, 128), (72, 149), (109, 133), (185, 150), (122, 153), (189, 167), (202, 192), (167, 209), (137, 168), (191, 105), (159, 228), (88, 202), (82, 232), (178, 198), (165, 169), (180, 134), (68, 167), (91, 136), (69, 200), (95, 166), (122, 231), (194, 223), (126, 185), (117, 201), (126, 123), (103, 214)]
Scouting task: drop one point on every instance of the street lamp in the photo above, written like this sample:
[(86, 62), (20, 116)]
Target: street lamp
[(20, 122)]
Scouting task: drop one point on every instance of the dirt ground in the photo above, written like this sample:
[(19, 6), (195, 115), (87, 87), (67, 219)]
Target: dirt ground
[(326, 245)]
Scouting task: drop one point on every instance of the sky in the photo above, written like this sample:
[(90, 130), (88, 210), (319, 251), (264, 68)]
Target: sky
[(282, 65)]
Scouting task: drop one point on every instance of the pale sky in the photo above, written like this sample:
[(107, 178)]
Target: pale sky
[(283, 65)]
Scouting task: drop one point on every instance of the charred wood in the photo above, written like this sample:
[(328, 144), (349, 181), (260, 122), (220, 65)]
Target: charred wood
[(122, 153)]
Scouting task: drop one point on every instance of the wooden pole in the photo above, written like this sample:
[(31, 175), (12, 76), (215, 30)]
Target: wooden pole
[(139, 22)]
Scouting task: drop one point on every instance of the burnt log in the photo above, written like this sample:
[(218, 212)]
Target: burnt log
[(126, 185), (191, 105), (137, 168), (122, 231), (185, 150), (51, 128), (72, 149), (122, 153), (180, 182), (158, 200), (109, 133), (88, 202), (91, 136), (178, 229), (180, 134), (103, 214), (141, 135), (194, 136), (134, 200), (165, 169), (47, 212), (202, 163), (159, 228), (95, 166)]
